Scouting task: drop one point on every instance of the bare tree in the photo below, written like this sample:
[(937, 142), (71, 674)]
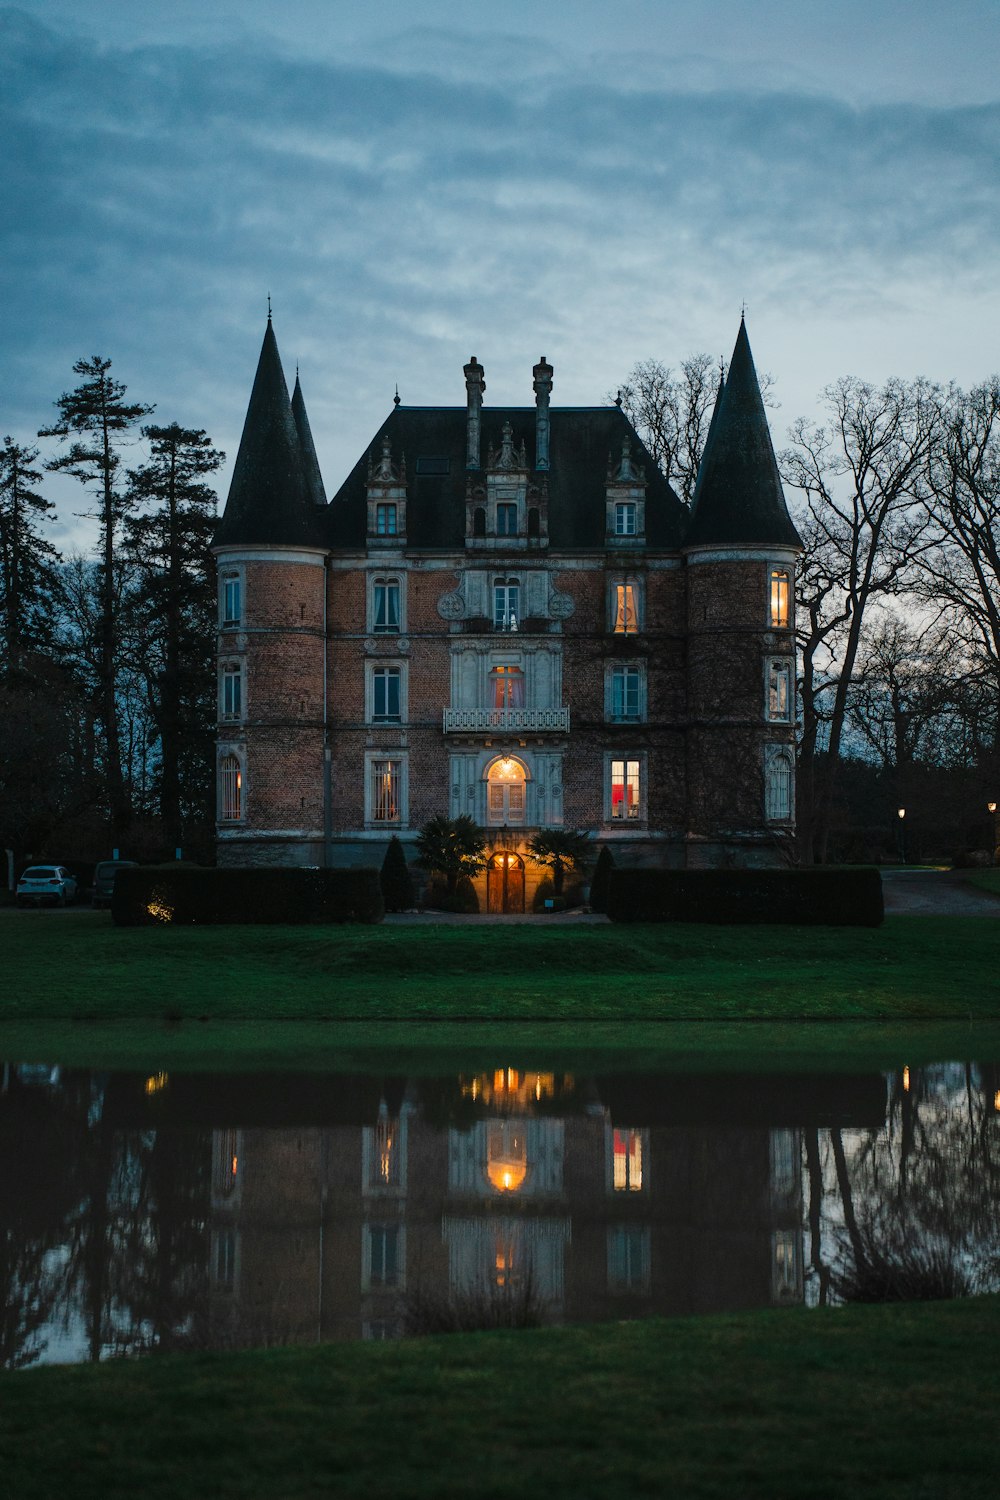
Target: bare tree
[(672, 412), (860, 476)]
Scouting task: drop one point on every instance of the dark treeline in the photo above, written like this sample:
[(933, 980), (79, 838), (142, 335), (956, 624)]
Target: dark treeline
[(896, 494), (107, 699)]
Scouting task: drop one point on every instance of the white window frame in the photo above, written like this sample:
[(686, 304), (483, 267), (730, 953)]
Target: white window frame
[(370, 1230), (374, 580), (778, 758), (625, 511), (507, 506), (232, 671), (401, 759), (625, 756), (786, 1265), (389, 510), (373, 668), (227, 579), (509, 583), (638, 605), (776, 571), (226, 770), (777, 667), (613, 670)]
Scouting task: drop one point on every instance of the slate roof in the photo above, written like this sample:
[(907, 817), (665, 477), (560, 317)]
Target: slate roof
[(269, 497), (738, 499), (310, 462), (581, 441)]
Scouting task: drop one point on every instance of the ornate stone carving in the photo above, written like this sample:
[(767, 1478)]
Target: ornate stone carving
[(451, 606), (561, 606)]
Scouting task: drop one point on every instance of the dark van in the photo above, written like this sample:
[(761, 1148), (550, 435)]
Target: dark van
[(104, 878)]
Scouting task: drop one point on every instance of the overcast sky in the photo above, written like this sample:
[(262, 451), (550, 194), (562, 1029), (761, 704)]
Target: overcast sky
[(415, 182)]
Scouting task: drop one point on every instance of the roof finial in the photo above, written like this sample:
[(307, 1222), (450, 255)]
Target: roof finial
[(618, 399), (269, 307), (743, 310), (395, 399)]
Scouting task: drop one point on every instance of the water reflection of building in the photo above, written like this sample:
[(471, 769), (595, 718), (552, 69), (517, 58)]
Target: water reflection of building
[(516, 1184)]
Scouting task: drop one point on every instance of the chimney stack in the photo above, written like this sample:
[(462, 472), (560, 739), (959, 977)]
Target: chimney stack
[(543, 390), (475, 386)]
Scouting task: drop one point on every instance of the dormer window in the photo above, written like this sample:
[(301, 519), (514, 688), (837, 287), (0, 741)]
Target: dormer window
[(506, 604), (506, 519), (625, 518), (385, 518)]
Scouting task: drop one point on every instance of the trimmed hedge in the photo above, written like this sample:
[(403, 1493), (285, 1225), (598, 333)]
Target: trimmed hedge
[(152, 897), (830, 898)]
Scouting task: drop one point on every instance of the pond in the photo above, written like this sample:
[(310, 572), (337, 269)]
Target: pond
[(192, 1211)]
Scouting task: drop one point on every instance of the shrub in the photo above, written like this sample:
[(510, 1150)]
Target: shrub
[(832, 898), (395, 879), (463, 901), (148, 896), (602, 876), (544, 891)]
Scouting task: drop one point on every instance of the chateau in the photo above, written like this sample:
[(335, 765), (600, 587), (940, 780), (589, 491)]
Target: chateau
[(505, 612)]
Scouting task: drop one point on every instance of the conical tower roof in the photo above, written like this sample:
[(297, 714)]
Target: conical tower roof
[(310, 462), (269, 497), (738, 500)]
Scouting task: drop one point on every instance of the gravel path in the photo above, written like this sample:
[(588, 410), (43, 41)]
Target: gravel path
[(935, 893)]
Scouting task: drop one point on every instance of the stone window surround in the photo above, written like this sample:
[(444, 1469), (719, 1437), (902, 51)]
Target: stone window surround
[(237, 754), (778, 758), (382, 664), (774, 665), (637, 585), (381, 575), (610, 669), (232, 666), (626, 755), (232, 573), (401, 758)]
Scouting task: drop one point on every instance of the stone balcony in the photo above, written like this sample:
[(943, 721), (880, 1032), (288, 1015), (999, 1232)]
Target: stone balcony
[(509, 720)]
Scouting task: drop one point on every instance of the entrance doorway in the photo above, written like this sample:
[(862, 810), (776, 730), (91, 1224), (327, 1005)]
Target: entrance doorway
[(505, 883)]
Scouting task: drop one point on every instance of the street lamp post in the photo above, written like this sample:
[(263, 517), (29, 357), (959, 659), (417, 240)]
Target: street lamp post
[(901, 815), (991, 808)]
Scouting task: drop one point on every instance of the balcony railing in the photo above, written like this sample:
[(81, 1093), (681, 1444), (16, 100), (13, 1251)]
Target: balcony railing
[(479, 720)]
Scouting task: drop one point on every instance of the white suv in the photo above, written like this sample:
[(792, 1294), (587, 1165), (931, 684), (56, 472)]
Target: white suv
[(46, 883)]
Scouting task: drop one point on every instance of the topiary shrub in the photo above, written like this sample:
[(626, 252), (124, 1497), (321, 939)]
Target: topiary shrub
[(395, 879), (464, 902), (602, 876), (148, 897), (544, 891), (823, 897)]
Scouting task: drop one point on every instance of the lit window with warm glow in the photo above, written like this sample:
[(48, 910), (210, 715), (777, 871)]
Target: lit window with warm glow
[(385, 791), (231, 776), (508, 687), (505, 792), (780, 596), (626, 617), (624, 790), (506, 1155), (627, 1161)]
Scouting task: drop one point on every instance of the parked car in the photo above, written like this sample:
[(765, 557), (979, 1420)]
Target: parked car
[(104, 878), (45, 883)]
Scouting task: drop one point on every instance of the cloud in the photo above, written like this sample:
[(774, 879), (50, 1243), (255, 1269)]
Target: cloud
[(410, 205)]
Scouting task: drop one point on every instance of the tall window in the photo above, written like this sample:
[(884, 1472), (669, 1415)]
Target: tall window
[(779, 691), (778, 788), (384, 1255), (232, 788), (626, 618), (625, 518), (508, 687), (385, 518), (625, 682), (506, 519), (385, 693), (384, 1144), (231, 602), (385, 791), (628, 1258), (385, 606), (232, 692), (624, 790), (780, 591), (505, 792), (627, 1161), (506, 604)]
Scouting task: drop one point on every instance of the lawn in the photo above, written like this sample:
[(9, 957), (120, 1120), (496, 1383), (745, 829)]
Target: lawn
[(867, 1402)]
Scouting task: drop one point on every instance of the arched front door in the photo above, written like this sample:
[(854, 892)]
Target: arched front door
[(505, 883)]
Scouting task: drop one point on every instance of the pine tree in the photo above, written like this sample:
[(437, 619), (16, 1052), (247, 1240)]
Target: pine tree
[(397, 883), (28, 578), (602, 879), (96, 416), (168, 534)]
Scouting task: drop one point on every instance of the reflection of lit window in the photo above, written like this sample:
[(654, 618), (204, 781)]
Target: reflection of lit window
[(784, 1161), (628, 1258), (227, 1161), (624, 789), (627, 1161), (384, 1258), (506, 1158), (506, 1265), (626, 619), (785, 1265), (225, 1257), (779, 598)]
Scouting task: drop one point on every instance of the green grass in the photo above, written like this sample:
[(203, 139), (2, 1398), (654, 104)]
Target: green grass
[(79, 965), (986, 880), (867, 1402)]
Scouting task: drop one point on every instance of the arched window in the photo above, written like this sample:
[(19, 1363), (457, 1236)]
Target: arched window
[(780, 597), (505, 792), (778, 787), (231, 788)]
